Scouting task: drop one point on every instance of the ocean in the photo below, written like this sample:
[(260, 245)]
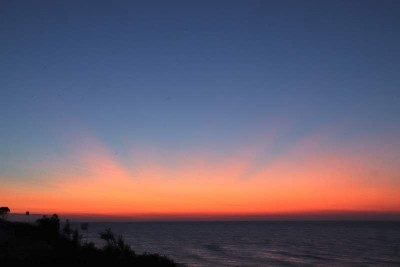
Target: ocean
[(270, 243)]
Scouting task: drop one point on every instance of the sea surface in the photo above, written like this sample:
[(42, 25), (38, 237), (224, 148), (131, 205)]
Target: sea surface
[(261, 243)]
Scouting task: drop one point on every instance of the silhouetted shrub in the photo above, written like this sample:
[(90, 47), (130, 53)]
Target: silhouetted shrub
[(67, 230), (113, 242), (49, 226), (43, 244)]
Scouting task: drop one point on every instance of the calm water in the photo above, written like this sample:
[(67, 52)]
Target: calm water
[(263, 243)]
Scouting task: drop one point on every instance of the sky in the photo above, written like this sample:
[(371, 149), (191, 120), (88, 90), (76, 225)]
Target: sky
[(200, 109)]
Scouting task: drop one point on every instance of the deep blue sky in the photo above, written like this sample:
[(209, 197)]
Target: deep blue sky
[(185, 74)]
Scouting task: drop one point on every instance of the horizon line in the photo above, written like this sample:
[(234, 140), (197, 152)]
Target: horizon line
[(283, 216)]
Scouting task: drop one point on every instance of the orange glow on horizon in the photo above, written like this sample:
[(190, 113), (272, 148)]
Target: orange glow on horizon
[(302, 180)]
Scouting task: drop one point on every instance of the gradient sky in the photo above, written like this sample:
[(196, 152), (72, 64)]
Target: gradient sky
[(199, 108)]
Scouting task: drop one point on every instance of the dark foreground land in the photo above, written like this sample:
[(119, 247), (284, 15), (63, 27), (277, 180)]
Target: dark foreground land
[(44, 243)]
